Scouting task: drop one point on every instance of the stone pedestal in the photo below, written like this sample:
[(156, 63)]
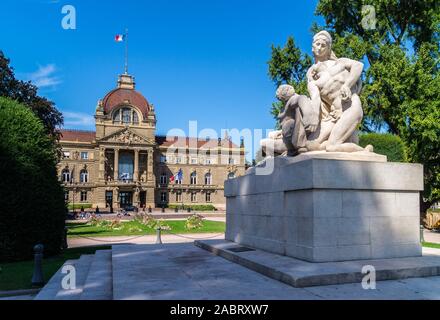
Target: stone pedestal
[(319, 209)]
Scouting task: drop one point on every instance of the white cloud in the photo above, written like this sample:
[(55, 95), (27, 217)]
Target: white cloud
[(78, 119), (44, 77)]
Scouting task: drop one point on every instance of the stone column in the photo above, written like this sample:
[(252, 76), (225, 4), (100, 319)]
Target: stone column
[(116, 165), (101, 164), (150, 179), (150, 176), (136, 165), (116, 198)]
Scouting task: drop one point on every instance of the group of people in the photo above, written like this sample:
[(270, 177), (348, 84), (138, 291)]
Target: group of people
[(329, 118)]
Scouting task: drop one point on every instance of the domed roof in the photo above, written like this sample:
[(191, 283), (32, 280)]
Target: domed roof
[(121, 96), (125, 94)]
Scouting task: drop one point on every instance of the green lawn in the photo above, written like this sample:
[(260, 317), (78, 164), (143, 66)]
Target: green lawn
[(18, 275), (431, 245), (134, 228)]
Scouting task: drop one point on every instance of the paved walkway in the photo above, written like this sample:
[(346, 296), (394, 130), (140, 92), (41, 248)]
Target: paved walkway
[(430, 236), (184, 271)]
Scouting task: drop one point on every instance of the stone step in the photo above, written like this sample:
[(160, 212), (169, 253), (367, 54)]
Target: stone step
[(99, 282), (49, 291), (53, 289)]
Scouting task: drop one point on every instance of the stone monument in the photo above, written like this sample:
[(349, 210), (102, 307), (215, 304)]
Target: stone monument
[(319, 196)]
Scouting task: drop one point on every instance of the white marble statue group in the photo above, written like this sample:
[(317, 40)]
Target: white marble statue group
[(329, 118)]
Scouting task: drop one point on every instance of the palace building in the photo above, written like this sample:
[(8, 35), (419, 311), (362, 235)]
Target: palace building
[(124, 163)]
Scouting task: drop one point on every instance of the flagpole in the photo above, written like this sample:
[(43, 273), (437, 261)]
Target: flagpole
[(126, 51)]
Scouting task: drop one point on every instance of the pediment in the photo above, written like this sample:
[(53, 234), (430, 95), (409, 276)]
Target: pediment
[(127, 137)]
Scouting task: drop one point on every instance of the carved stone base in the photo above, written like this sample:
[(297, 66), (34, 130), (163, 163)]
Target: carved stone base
[(319, 209)]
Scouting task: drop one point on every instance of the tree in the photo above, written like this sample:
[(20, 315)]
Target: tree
[(26, 93), (288, 65), (32, 208), (401, 93)]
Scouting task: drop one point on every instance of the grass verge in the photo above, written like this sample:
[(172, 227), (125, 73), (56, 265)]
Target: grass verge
[(134, 228), (431, 245), (18, 275)]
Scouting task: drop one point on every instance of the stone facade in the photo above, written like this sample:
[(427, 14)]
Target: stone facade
[(124, 163)]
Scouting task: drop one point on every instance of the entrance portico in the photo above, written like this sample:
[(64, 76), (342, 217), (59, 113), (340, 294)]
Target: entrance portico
[(126, 159)]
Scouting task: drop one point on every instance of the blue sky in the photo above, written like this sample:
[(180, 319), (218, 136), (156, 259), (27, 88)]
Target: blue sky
[(193, 59)]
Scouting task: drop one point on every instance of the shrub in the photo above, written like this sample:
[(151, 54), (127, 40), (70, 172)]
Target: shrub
[(387, 144), (32, 208), (197, 207), (79, 206), (145, 219), (194, 222), (115, 224)]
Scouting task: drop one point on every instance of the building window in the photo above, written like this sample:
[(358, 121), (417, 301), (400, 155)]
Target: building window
[(193, 160), (193, 197), (207, 161), (179, 196), (66, 196), (231, 175), (208, 179), (178, 159), (66, 175), (163, 179), (163, 197), (117, 116), (84, 155), (83, 196), (126, 116), (135, 117), (66, 154), (83, 176), (208, 196), (193, 178), (231, 161), (163, 159)]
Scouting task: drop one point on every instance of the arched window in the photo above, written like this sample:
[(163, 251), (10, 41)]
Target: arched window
[(126, 116), (65, 175), (208, 179), (117, 116), (193, 178), (83, 176), (231, 175)]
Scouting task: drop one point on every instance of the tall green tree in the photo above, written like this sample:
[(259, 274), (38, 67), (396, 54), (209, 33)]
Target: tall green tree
[(27, 93), (401, 93), (288, 65), (32, 207)]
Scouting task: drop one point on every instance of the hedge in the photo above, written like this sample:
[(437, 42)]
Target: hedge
[(196, 207), (32, 208), (387, 144), (79, 206)]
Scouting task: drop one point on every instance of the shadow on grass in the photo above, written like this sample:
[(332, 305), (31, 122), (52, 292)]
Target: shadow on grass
[(18, 275)]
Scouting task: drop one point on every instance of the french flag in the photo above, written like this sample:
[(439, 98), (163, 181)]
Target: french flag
[(119, 38), (177, 177)]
